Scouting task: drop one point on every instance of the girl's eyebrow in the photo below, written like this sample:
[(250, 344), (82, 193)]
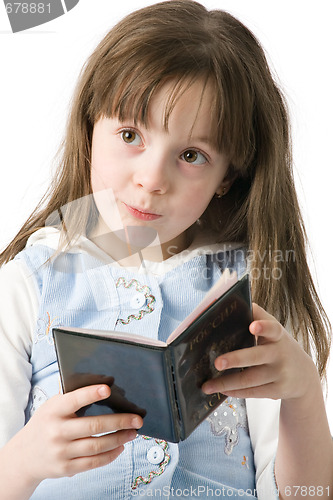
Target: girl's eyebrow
[(205, 140)]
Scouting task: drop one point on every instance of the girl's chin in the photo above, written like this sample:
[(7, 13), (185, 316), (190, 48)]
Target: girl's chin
[(139, 235)]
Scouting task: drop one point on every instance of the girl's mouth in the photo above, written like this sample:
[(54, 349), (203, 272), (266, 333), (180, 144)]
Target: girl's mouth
[(142, 214)]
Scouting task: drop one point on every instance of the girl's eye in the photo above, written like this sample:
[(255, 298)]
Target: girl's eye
[(194, 157), (131, 137)]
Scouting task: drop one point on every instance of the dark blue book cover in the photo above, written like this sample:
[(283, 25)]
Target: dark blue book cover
[(160, 382)]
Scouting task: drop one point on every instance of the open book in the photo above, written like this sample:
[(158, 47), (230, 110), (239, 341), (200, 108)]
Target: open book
[(157, 380)]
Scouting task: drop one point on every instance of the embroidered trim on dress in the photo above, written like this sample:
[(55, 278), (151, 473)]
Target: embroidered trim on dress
[(161, 468), (227, 419), (245, 462), (139, 288), (44, 329), (38, 397)]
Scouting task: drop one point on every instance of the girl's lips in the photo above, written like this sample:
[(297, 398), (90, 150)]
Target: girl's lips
[(142, 214)]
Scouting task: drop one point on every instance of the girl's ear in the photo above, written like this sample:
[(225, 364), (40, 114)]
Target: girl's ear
[(227, 182)]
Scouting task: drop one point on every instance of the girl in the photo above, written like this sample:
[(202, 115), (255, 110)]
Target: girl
[(176, 164)]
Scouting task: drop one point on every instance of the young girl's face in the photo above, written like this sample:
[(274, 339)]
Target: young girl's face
[(157, 178)]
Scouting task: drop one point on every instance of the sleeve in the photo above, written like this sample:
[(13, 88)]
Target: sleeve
[(263, 420), (18, 313)]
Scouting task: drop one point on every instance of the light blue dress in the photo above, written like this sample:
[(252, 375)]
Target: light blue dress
[(76, 289)]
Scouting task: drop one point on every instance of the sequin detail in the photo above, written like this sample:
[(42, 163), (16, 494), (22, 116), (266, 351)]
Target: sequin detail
[(139, 288), (227, 419), (38, 397), (161, 468), (44, 331)]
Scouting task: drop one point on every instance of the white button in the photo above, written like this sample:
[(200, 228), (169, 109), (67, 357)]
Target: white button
[(138, 300), (155, 455)]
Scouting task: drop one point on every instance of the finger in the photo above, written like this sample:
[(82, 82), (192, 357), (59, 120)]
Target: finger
[(265, 325), (73, 401), (84, 464), (267, 331), (245, 379), (82, 427), (263, 391), (92, 446), (243, 358), (260, 313)]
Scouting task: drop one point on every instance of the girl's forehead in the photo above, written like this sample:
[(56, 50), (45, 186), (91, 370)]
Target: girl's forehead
[(189, 105), (175, 92)]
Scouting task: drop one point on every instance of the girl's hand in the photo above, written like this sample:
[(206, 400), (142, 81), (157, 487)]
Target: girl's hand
[(56, 443), (277, 367)]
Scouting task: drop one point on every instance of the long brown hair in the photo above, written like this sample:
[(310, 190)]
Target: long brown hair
[(181, 40)]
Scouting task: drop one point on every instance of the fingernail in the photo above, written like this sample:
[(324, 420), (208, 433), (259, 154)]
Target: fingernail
[(221, 364), (208, 388), (256, 328), (103, 391), (132, 435), (136, 422)]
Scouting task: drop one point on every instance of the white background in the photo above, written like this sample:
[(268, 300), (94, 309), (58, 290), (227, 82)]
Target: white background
[(39, 68)]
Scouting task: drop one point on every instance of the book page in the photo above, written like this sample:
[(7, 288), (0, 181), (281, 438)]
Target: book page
[(127, 337), (227, 280)]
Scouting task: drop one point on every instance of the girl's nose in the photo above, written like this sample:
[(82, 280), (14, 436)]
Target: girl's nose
[(153, 174)]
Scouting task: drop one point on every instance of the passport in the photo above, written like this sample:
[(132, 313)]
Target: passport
[(161, 381)]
